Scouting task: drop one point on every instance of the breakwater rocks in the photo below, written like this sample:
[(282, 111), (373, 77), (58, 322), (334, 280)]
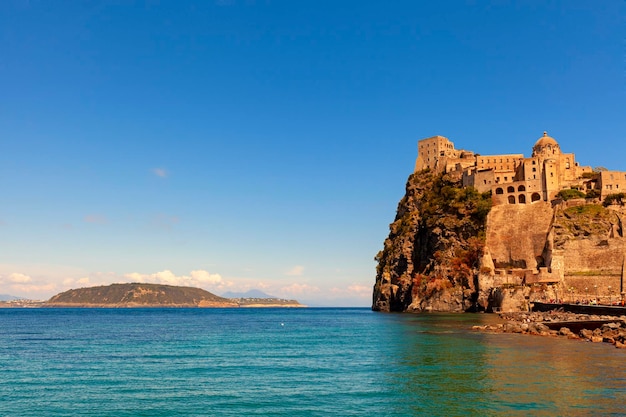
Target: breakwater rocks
[(592, 328)]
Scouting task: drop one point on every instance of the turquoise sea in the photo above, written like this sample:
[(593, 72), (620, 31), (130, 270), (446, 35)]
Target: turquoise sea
[(294, 362)]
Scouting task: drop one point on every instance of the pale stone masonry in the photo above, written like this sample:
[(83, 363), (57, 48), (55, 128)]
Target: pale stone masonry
[(514, 179)]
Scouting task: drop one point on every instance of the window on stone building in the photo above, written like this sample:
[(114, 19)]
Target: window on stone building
[(534, 169), (521, 188), (510, 189), (511, 199), (499, 190), (522, 199), (535, 197)]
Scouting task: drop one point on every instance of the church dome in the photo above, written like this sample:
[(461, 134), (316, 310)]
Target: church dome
[(545, 146), (545, 140)]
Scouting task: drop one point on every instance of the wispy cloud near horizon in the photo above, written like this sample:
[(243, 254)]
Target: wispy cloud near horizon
[(196, 278), (295, 271), (160, 172), (95, 219)]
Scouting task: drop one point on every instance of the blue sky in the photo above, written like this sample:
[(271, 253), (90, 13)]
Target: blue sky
[(237, 144)]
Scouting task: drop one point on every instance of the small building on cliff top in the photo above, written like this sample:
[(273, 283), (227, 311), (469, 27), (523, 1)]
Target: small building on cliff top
[(514, 179)]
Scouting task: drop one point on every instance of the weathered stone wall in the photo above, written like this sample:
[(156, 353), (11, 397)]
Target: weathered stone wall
[(582, 288), (516, 234), (590, 255)]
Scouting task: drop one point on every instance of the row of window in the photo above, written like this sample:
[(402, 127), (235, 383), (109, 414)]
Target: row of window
[(521, 199), (510, 189), (495, 160)]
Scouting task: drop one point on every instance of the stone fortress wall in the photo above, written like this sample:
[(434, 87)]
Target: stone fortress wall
[(519, 247)]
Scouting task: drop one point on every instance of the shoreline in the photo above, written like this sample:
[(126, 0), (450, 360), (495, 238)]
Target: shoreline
[(586, 327)]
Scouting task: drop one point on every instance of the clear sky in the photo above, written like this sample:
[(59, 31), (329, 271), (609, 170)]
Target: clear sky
[(238, 144)]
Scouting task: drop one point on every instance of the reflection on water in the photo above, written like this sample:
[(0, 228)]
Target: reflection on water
[(440, 370), (300, 362)]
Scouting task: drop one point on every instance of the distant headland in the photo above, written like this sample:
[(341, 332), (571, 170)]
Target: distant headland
[(152, 295)]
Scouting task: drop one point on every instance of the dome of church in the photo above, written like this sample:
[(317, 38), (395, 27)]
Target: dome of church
[(545, 140)]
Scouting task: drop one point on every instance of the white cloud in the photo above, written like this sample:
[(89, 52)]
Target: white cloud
[(160, 172), (95, 218), (296, 271), (29, 289), (361, 290), (298, 289), (206, 277), (18, 278), (353, 290), (197, 278)]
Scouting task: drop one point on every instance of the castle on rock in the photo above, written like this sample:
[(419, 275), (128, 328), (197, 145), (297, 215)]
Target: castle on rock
[(514, 179)]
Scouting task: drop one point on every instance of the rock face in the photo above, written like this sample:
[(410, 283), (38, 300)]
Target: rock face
[(431, 258), (449, 250), (138, 295)]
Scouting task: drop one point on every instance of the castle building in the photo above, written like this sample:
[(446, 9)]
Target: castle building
[(607, 182), (513, 178)]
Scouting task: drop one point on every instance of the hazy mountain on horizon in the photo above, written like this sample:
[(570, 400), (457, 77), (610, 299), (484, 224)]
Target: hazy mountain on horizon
[(247, 294), (7, 297)]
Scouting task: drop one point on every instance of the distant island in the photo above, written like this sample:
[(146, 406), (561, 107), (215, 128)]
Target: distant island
[(155, 295)]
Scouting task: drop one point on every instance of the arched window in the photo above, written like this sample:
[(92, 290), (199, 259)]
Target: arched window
[(522, 199), (521, 188), (535, 197), (499, 190), (510, 189), (511, 199)]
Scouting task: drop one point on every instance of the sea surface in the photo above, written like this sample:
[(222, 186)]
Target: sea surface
[(294, 362)]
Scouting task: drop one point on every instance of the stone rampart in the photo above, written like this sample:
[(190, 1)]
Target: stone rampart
[(516, 234), (593, 257)]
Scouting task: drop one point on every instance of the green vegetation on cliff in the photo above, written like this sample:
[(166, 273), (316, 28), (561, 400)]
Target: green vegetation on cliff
[(586, 221), (434, 245)]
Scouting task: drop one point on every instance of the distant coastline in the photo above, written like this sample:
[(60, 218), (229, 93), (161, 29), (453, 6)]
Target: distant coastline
[(140, 295)]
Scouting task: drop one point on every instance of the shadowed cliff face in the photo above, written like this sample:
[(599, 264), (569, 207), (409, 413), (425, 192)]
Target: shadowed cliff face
[(430, 259)]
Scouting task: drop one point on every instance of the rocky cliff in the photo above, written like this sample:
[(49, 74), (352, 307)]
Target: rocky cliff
[(449, 250), (431, 258)]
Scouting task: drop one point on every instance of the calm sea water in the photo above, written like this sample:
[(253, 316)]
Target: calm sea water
[(293, 362)]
